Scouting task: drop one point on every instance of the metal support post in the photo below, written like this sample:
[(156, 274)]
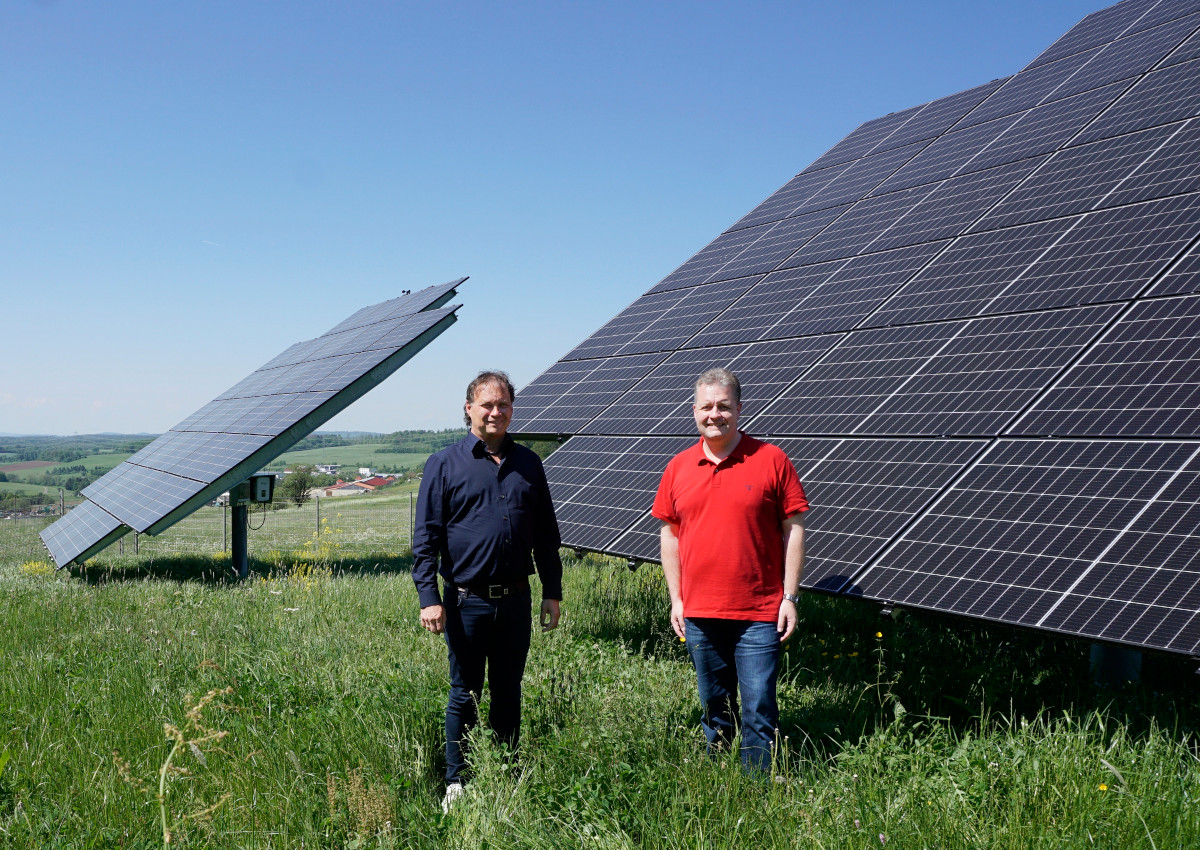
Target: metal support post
[(240, 559), (1113, 666)]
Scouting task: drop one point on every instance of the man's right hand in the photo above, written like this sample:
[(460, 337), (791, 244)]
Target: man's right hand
[(433, 618), (677, 618)]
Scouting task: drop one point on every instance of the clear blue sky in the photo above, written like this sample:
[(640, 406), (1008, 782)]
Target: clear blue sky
[(190, 186)]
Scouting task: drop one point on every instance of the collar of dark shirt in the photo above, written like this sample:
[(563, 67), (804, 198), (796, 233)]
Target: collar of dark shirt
[(480, 450)]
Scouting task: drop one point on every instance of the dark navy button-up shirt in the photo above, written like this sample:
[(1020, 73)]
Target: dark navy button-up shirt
[(484, 523)]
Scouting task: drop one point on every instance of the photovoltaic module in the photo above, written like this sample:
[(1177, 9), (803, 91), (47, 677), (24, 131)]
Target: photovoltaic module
[(251, 423), (973, 325)]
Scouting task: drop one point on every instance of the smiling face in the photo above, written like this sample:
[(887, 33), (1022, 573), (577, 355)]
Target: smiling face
[(716, 410), (490, 412)]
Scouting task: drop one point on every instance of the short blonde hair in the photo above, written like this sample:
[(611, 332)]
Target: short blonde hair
[(722, 378)]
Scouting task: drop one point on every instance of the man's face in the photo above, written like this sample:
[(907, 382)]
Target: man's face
[(716, 412), (490, 412)]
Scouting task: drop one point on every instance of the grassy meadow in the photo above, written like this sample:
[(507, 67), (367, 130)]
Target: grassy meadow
[(150, 697)]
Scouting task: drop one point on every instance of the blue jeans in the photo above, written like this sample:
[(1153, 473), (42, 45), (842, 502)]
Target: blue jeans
[(491, 633), (733, 655)]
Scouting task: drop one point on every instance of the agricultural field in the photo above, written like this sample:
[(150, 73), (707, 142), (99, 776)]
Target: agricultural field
[(20, 487), (352, 457), (99, 463), (146, 697)]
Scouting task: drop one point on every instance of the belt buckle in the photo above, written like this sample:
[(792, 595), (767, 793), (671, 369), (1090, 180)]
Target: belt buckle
[(495, 591)]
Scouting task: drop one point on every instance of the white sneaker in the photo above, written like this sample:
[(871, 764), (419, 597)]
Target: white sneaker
[(453, 791)]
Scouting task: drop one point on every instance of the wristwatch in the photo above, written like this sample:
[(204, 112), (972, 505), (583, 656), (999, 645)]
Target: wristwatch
[(792, 597)]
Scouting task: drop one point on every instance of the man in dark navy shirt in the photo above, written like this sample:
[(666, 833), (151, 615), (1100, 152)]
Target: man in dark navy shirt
[(484, 513)]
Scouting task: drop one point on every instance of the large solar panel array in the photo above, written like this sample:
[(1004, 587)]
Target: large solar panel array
[(251, 423), (973, 325)]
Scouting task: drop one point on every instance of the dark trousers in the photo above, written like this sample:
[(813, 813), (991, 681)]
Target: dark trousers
[(484, 633)]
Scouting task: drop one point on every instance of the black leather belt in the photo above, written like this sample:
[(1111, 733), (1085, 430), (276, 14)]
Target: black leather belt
[(494, 591)]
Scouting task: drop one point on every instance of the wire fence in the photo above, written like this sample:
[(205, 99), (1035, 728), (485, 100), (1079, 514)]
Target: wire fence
[(358, 524)]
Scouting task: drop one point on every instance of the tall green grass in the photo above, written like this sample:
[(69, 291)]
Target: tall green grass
[(920, 732)]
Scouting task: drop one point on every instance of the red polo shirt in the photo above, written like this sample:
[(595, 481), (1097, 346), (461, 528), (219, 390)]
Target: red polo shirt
[(730, 538)]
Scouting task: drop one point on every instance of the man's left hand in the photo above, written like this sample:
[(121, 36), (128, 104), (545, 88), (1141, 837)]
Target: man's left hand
[(550, 614), (788, 617)]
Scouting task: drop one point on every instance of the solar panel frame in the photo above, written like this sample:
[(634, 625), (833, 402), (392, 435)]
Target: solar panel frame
[(1160, 97), (234, 435), (1019, 266), (85, 530), (1141, 378), (961, 378), (1098, 28), (1027, 524)]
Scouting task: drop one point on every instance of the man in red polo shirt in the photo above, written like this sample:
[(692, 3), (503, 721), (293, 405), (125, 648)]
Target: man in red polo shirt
[(732, 511)]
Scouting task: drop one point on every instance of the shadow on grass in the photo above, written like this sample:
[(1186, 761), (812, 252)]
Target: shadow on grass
[(210, 571), (849, 671)]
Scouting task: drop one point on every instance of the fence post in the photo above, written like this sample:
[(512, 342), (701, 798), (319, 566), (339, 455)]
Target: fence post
[(317, 501), (224, 528), (410, 520)]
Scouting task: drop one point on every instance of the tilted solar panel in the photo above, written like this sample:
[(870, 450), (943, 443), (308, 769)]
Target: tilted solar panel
[(972, 324), (252, 423)]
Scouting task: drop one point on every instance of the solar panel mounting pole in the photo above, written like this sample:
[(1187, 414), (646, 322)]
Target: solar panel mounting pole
[(240, 558)]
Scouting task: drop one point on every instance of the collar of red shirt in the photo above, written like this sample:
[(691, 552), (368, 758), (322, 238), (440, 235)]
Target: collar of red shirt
[(736, 456)]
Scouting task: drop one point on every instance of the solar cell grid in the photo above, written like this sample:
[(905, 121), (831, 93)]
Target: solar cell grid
[(970, 379), (847, 236), (414, 302), (626, 325), (969, 274), (851, 381), (603, 384), (536, 396), (1145, 590), (1164, 11), (1109, 255), (1022, 526), (1161, 97), (661, 402), (945, 156), (938, 116), (1077, 179), (863, 492), (1183, 277), (848, 297), (1045, 128), (1142, 379), (862, 176), (1190, 49), (86, 528), (675, 325), (953, 206), (1129, 56), (1028, 88), (788, 199), (1100, 27), (708, 259), (621, 491), (1170, 169), (139, 496), (988, 374), (863, 139), (753, 315), (779, 242)]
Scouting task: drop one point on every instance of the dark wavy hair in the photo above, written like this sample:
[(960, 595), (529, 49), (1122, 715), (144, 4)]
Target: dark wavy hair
[(490, 376)]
